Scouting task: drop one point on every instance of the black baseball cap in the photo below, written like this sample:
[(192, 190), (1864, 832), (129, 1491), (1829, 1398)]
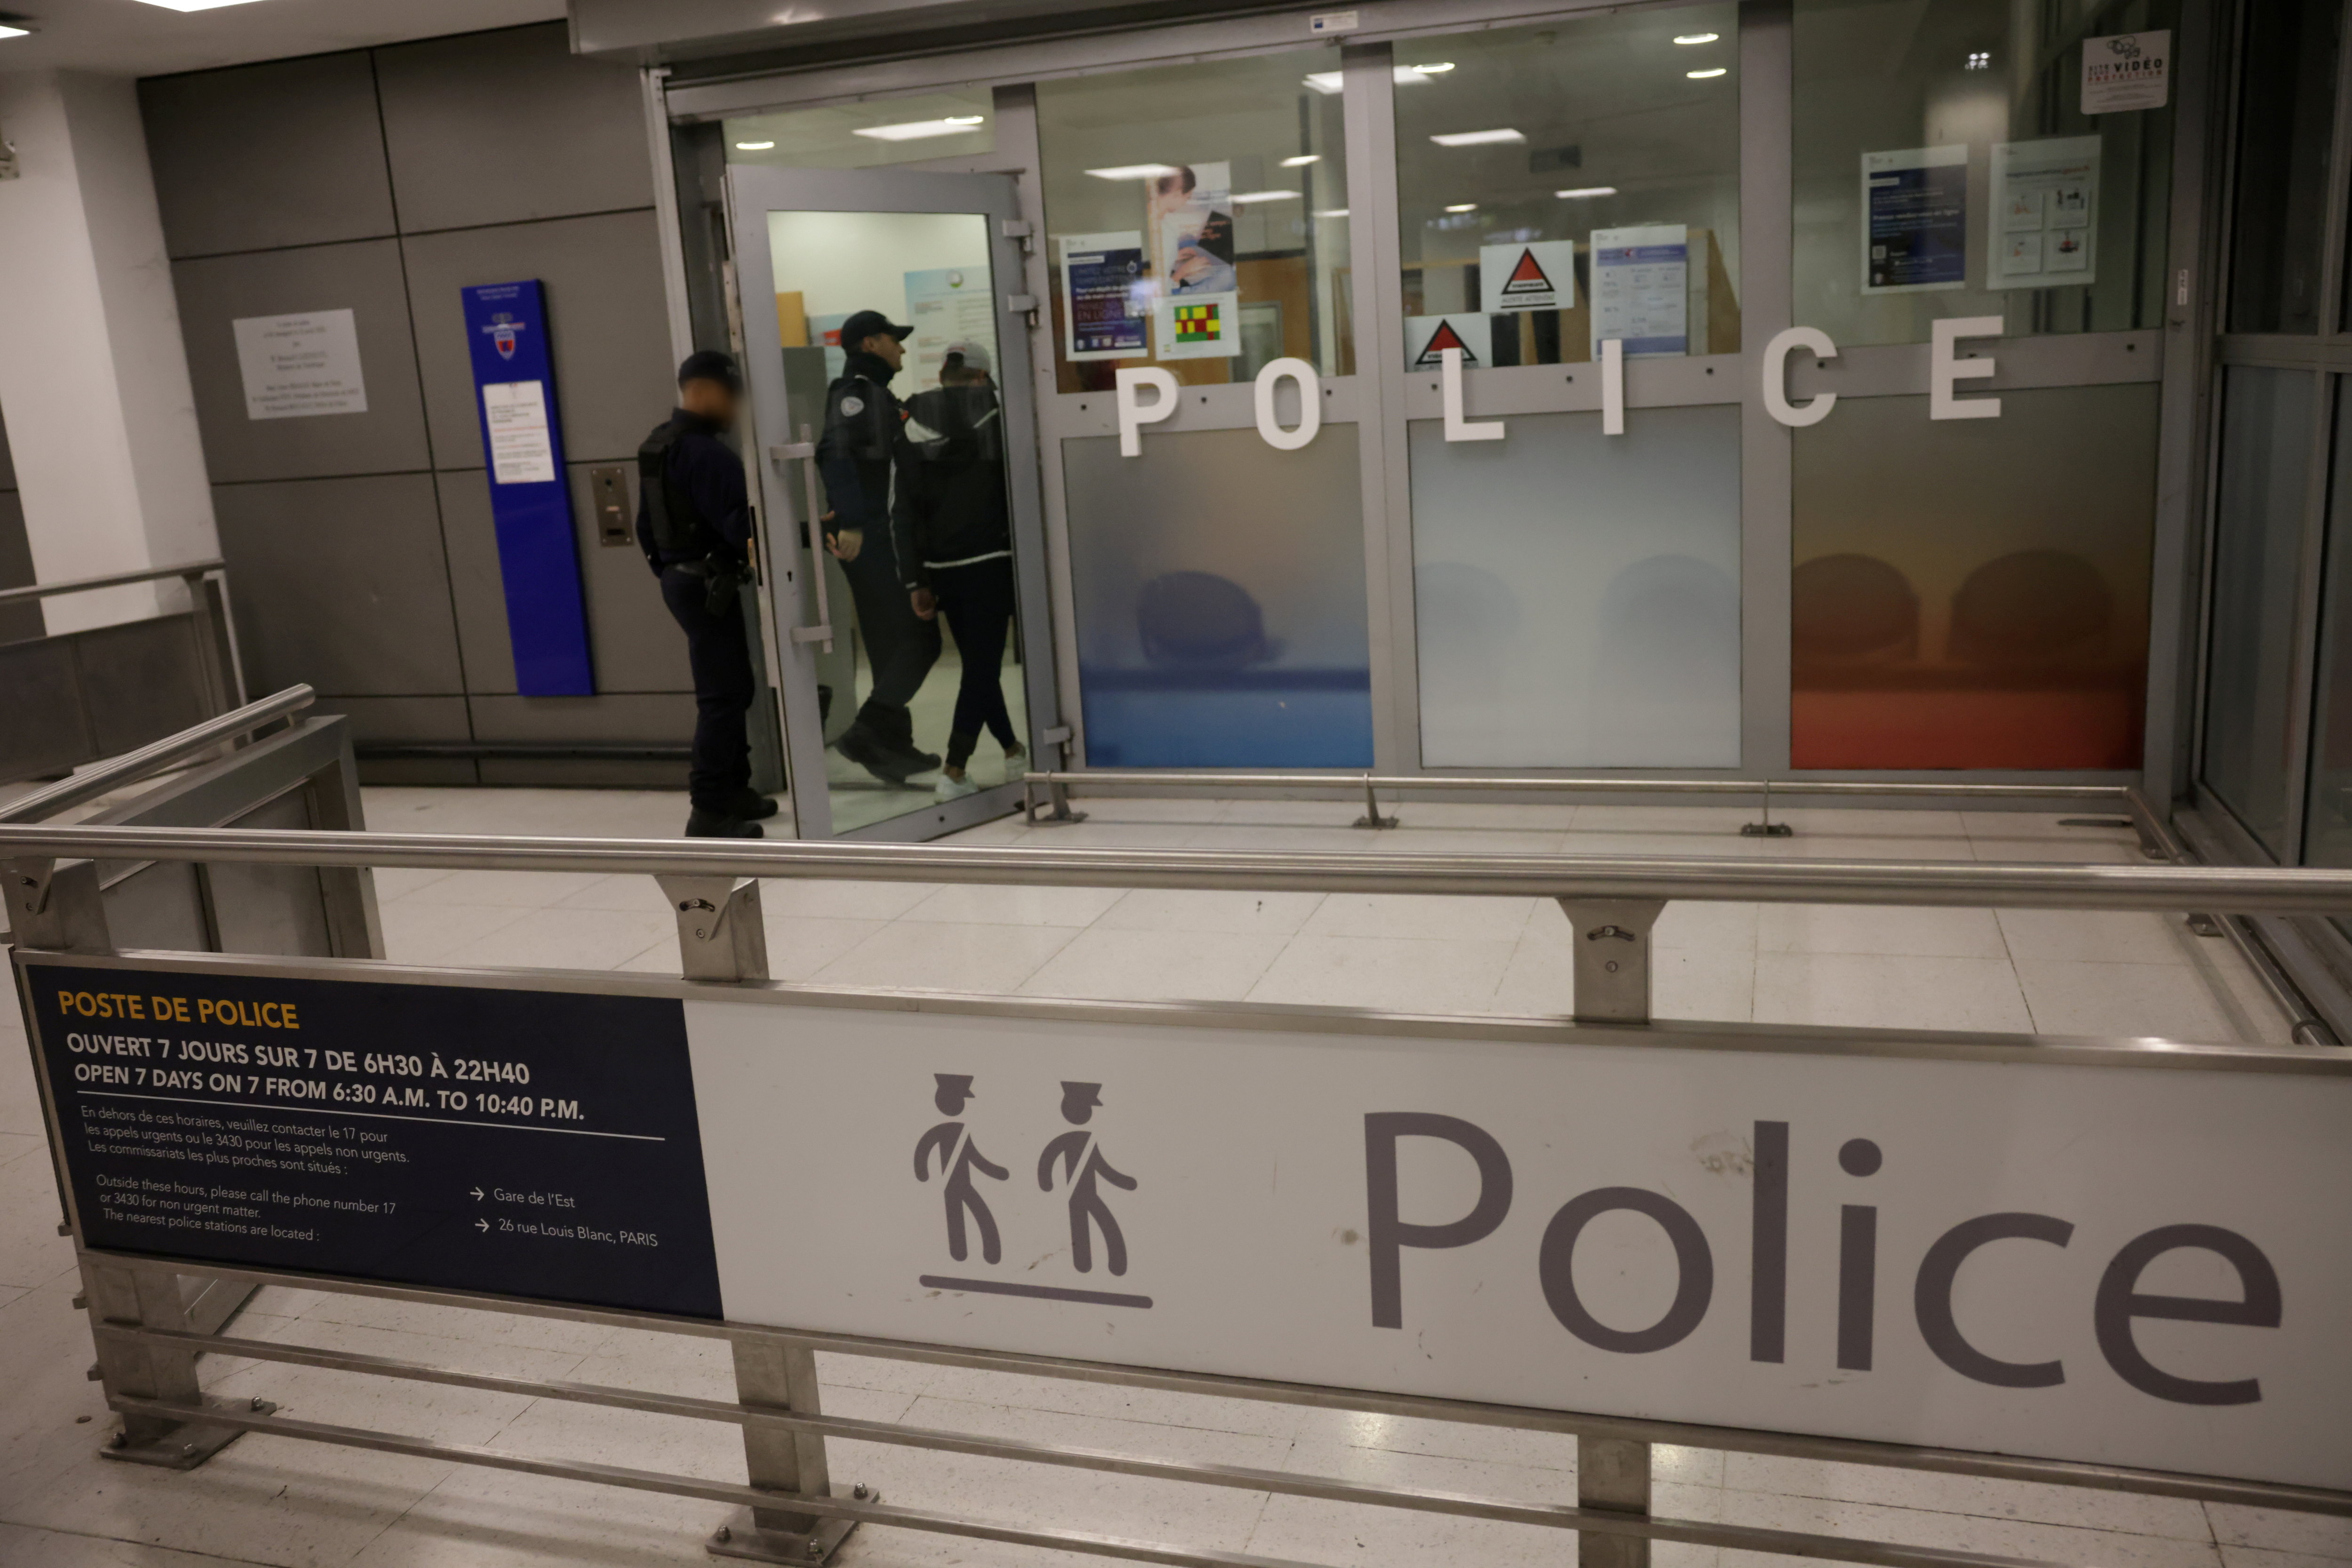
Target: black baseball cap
[(710, 364), (863, 324)]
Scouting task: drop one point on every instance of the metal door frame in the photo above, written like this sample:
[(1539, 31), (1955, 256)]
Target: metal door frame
[(788, 603)]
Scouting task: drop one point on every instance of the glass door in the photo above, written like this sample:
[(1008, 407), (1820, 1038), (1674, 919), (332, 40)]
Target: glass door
[(898, 491)]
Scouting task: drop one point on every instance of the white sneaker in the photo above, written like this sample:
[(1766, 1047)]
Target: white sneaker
[(953, 789)]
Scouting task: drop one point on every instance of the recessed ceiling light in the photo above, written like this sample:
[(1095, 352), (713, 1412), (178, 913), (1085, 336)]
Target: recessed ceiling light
[(194, 5), (967, 119), (753, 146), (1302, 160), (1240, 196), (1328, 83), (1583, 191), (1697, 37), (915, 130), (1705, 75), (1134, 171), (1332, 212), (1478, 138), (1439, 68), (10, 30), (1464, 207)]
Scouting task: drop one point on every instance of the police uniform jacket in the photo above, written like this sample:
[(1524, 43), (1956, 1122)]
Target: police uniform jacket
[(687, 471), (859, 448)]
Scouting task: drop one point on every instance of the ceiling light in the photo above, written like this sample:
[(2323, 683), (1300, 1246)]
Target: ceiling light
[(1440, 68), (1705, 75), (1697, 37), (1302, 160), (1464, 207), (1328, 83), (1979, 59), (194, 5), (8, 30), (1583, 191), (1332, 212), (1240, 196), (1135, 170), (1478, 138), (915, 130), (967, 119), (753, 146)]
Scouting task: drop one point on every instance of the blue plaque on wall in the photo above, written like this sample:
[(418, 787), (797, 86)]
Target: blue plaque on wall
[(530, 499)]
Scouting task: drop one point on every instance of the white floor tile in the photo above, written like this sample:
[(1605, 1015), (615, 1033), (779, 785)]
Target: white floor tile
[(2180, 1518), (1412, 974), (981, 904), (2160, 999), (523, 890), (2004, 1537), (1886, 993), (1154, 965), (929, 955), (2094, 936), (2276, 1530), (799, 945), (32, 1253), (568, 939), (1261, 915), (1899, 931), (435, 933), (831, 899), (1440, 915)]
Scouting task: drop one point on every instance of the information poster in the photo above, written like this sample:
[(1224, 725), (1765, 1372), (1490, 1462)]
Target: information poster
[(1534, 275), (298, 367), (1640, 288), (1916, 220), (1426, 338), (522, 452), (1106, 299), (1189, 212), (2046, 206), (947, 305), (2127, 71)]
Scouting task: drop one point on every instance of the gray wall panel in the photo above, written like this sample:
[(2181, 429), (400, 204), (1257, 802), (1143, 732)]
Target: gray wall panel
[(364, 278), (509, 126), (614, 379), (634, 645), (290, 153), (658, 721), (388, 719), (141, 681), (341, 583), (16, 621)]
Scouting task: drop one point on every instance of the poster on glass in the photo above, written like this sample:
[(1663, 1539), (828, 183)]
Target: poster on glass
[(1915, 219), (1640, 288), (2046, 206), (1106, 299)]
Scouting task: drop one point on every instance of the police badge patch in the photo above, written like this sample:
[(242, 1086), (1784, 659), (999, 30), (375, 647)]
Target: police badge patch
[(852, 405)]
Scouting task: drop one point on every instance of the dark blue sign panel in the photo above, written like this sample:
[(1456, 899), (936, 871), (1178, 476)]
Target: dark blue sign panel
[(1918, 213), (530, 500), (521, 1143)]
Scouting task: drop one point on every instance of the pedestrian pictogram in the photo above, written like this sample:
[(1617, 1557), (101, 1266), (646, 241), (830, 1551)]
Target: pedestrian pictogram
[(1082, 1164), (958, 1159)]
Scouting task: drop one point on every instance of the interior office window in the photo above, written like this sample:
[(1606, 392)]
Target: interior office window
[(2258, 518), (867, 135), (1197, 219), (1576, 595), (1945, 165), (1220, 601), (2286, 123), (1973, 593), (2327, 812), (1563, 184)]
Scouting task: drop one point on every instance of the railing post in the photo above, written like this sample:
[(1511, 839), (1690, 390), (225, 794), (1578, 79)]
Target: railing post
[(1058, 793), (152, 1298), (1611, 937), (1612, 1473), (1767, 828), (1372, 817), (721, 933), (782, 1377)]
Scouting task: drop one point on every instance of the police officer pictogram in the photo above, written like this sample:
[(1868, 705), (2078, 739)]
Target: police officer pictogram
[(959, 1157), (1082, 1165)]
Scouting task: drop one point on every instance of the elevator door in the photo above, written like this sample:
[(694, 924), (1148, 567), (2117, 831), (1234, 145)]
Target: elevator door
[(904, 580)]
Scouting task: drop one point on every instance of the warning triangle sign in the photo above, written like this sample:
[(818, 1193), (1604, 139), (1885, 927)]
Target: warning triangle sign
[(1444, 338), (1528, 277)]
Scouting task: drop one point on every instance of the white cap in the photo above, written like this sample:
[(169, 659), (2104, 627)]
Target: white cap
[(974, 355)]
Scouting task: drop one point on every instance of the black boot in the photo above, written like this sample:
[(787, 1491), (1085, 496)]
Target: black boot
[(749, 804), (876, 753), (718, 824)]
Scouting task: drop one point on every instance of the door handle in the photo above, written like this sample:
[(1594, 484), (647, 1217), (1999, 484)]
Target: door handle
[(805, 450)]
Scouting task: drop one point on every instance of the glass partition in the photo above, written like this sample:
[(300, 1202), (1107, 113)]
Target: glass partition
[(2285, 129), (2328, 818), (1562, 184), (867, 135), (1944, 165), (1197, 219)]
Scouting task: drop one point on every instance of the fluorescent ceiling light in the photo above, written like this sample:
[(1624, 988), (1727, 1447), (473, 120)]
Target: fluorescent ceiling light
[(1582, 191), (1134, 171), (1301, 160), (915, 130), (1478, 138), (1438, 68), (8, 31), (1327, 83), (753, 146), (1240, 196), (1697, 37), (1705, 75), (1332, 212), (1464, 207), (194, 5)]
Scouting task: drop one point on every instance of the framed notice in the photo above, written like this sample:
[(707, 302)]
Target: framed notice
[(1106, 299), (2045, 212), (1640, 288), (1914, 231), (295, 367), (2127, 71)]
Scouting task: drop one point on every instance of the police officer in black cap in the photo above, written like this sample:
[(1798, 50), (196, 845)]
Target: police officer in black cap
[(863, 442), (694, 523)]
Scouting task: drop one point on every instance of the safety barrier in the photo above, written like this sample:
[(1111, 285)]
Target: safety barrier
[(1267, 1191)]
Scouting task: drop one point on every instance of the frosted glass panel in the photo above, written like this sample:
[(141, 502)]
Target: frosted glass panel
[(1221, 601), (1577, 595)]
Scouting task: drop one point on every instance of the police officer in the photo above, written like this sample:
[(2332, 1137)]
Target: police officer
[(862, 444), (694, 523)]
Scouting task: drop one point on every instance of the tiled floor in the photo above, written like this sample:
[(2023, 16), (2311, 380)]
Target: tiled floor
[(273, 1502)]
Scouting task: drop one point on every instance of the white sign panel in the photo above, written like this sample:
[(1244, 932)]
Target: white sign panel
[(1640, 288), (1536, 275), (520, 452), (2046, 213), (2126, 71), (1426, 338), (298, 367), (2122, 1265)]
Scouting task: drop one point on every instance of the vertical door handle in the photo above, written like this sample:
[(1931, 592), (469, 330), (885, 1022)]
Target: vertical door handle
[(804, 451)]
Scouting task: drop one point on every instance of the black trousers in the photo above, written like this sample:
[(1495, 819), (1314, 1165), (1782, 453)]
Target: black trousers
[(977, 601), (900, 646), (720, 655)]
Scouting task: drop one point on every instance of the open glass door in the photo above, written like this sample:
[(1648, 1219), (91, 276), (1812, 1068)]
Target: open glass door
[(897, 582)]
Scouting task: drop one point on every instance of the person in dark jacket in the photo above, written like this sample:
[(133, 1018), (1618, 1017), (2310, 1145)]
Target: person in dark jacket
[(694, 523), (954, 536), (856, 455)]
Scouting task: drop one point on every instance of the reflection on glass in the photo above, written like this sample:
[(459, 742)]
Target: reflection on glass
[(1973, 593), (1576, 595), (920, 698), (867, 135), (1563, 184), (1944, 166), (2286, 127), (2266, 424), (1197, 219), (1221, 601), (2327, 814)]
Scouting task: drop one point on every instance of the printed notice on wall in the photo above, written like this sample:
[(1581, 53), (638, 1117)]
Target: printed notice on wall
[(948, 305), (2045, 212), (1915, 219), (520, 452), (1191, 213), (1537, 275), (1640, 288), (2126, 71), (1105, 297), (297, 366)]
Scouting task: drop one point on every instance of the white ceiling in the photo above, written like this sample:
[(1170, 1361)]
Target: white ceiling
[(127, 37)]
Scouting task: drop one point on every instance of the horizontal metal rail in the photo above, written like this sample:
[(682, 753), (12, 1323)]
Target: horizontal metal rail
[(152, 759), (1180, 779), (1970, 884), (112, 580)]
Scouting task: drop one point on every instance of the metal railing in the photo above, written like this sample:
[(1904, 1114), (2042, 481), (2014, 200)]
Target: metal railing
[(130, 768), (34, 591)]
